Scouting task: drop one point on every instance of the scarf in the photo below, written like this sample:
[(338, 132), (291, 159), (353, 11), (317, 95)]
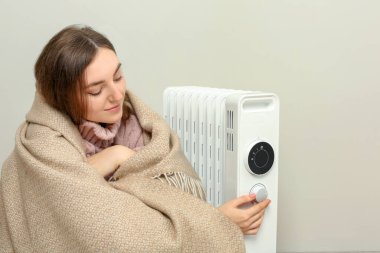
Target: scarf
[(52, 200), (96, 137)]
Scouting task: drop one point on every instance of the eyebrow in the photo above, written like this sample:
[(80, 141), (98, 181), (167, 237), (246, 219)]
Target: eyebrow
[(102, 81)]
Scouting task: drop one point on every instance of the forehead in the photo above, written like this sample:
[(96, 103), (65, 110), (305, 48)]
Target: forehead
[(102, 66)]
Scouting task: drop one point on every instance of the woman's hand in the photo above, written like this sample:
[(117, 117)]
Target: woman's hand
[(109, 159), (248, 219)]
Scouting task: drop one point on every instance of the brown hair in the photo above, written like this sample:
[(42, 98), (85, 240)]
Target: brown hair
[(59, 69)]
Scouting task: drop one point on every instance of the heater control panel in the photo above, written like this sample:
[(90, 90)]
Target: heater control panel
[(260, 158)]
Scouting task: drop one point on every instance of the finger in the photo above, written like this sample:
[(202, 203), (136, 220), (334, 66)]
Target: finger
[(245, 199), (253, 210), (256, 217), (254, 228), (256, 224), (248, 224), (265, 203), (252, 232)]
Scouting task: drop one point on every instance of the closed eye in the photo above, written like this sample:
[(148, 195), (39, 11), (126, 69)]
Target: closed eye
[(95, 93), (118, 78)]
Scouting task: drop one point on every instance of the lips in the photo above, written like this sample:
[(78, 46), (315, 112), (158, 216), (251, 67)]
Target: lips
[(114, 108)]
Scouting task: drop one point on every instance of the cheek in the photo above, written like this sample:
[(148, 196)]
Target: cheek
[(92, 107), (123, 86)]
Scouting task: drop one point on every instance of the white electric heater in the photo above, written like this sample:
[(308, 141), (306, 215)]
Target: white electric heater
[(231, 139)]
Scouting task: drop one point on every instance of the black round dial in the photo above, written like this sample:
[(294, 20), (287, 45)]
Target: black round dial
[(260, 158)]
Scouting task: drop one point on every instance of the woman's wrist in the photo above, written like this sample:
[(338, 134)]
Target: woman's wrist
[(121, 153)]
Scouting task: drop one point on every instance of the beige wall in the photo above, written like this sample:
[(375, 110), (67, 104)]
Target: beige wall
[(321, 58)]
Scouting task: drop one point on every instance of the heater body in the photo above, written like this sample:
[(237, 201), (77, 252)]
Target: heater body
[(231, 139)]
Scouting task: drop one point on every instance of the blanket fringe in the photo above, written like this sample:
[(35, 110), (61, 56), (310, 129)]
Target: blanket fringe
[(182, 181)]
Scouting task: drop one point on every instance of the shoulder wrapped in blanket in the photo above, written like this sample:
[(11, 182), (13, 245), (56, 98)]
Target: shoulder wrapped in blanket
[(51, 200)]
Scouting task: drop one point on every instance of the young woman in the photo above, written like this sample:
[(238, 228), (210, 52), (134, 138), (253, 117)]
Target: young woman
[(95, 170)]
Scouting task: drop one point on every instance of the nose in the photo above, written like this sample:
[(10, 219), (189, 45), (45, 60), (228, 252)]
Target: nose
[(116, 93)]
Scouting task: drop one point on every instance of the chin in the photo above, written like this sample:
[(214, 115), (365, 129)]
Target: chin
[(112, 120), (106, 119)]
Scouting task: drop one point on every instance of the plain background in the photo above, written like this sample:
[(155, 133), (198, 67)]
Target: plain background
[(321, 57)]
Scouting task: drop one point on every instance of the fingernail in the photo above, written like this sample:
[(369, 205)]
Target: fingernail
[(252, 195)]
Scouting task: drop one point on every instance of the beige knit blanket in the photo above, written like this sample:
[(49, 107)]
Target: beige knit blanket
[(51, 200)]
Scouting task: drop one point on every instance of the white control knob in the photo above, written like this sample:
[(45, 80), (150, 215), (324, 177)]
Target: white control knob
[(260, 191)]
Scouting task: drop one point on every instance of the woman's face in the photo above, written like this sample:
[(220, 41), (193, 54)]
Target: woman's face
[(105, 88)]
